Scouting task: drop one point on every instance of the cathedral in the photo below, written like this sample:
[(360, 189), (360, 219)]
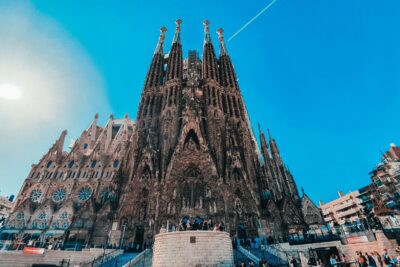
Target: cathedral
[(191, 153)]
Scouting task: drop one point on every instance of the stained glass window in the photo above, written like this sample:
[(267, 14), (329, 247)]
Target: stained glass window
[(64, 215), (59, 195), (42, 215), (20, 216), (36, 194), (85, 193)]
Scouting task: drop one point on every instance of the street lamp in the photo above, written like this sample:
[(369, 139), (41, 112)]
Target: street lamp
[(123, 235)]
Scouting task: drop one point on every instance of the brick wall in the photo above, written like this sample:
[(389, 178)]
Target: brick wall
[(193, 248)]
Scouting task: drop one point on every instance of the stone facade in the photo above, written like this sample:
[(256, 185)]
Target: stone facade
[(192, 152), (193, 248)]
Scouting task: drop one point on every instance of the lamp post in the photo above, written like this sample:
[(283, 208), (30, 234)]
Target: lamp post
[(123, 235)]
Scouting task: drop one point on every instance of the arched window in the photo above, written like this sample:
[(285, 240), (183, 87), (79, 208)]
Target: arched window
[(49, 164), (146, 174), (71, 164), (116, 163), (94, 162)]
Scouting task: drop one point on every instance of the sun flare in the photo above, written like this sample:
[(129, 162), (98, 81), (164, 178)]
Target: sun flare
[(9, 91)]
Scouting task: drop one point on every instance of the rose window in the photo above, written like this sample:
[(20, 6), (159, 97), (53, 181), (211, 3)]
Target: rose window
[(85, 193), (36, 194), (59, 195)]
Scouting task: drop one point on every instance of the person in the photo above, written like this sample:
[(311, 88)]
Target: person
[(362, 261), (371, 260), (292, 262), (386, 258), (251, 264), (346, 262), (378, 257), (243, 264), (333, 260)]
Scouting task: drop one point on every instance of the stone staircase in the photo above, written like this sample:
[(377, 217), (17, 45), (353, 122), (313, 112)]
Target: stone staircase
[(120, 260), (144, 259), (273, 256)]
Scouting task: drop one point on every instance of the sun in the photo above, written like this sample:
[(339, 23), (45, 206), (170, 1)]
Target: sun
[(9, 91)]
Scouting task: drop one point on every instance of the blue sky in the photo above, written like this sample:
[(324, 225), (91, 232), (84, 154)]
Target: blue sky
[(322, 75)]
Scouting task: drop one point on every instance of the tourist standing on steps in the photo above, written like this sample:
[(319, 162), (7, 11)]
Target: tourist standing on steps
[(379, 258), (362, 260), (292, 262), (387, 259), (333, 260), (371, 261)]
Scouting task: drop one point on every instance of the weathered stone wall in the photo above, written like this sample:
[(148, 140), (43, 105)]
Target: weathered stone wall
[(193, 248)]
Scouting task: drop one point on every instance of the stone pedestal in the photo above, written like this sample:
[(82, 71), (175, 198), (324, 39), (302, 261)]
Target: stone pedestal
[(193, 248)]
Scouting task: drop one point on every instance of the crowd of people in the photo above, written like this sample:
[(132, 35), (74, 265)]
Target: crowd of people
[(193, 224), (362, 259)]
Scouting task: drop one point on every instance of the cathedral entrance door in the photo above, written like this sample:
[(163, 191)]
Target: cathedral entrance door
[(139, 237)]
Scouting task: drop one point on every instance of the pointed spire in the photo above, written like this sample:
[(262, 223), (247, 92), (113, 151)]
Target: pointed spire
[(177, 35), (207, 37), (175, 61), (160, 44), (222, 47), (93, 126)]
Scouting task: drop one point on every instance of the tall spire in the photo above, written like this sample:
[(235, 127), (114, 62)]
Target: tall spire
[(222, 47), (276, 155), (155, 74), (160, 44), (210, 63), (175, 61), (227, 72), (207, 37), (177, 35)]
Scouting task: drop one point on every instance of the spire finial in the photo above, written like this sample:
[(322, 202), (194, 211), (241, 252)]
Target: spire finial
[(222, 47), (177, 36), (207, 37), (160, 44), (96, 116), (269, 134)]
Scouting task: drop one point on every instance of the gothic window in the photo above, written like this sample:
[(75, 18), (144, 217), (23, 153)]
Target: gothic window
[(42, 225), (146, 175), (94, 162), (85, 193), (116, 163), (34, 225), (42, 215), (64, 215), (36, 194), (65, 225), (49, 164), (20, 216), (85, 146), (71, 164), (59, 195), (191, 141), (236, 174)]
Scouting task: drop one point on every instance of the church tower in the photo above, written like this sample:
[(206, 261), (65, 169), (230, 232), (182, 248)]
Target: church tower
[(192, 153)]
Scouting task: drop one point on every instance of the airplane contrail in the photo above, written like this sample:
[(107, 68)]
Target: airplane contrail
[(254, 18)]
